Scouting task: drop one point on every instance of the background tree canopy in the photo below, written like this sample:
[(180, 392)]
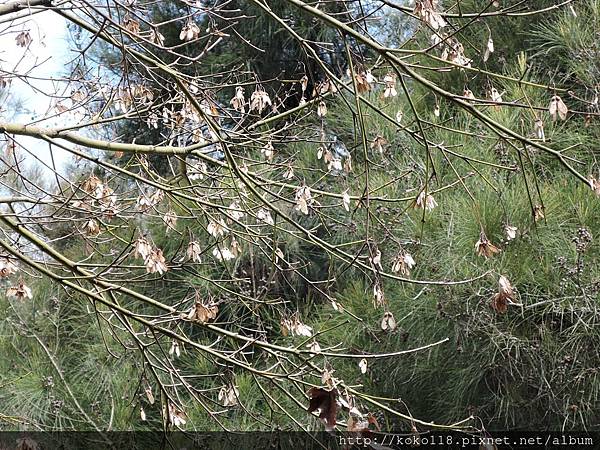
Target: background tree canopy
[(372, 216)]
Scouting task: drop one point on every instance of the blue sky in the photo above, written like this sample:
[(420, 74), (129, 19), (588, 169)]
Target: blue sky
[(49, 51)]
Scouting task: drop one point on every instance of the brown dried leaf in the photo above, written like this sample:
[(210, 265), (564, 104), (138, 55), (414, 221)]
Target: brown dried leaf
[(23, 39), (484, 247), (499, 303), (202, 313), (324, 401)]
